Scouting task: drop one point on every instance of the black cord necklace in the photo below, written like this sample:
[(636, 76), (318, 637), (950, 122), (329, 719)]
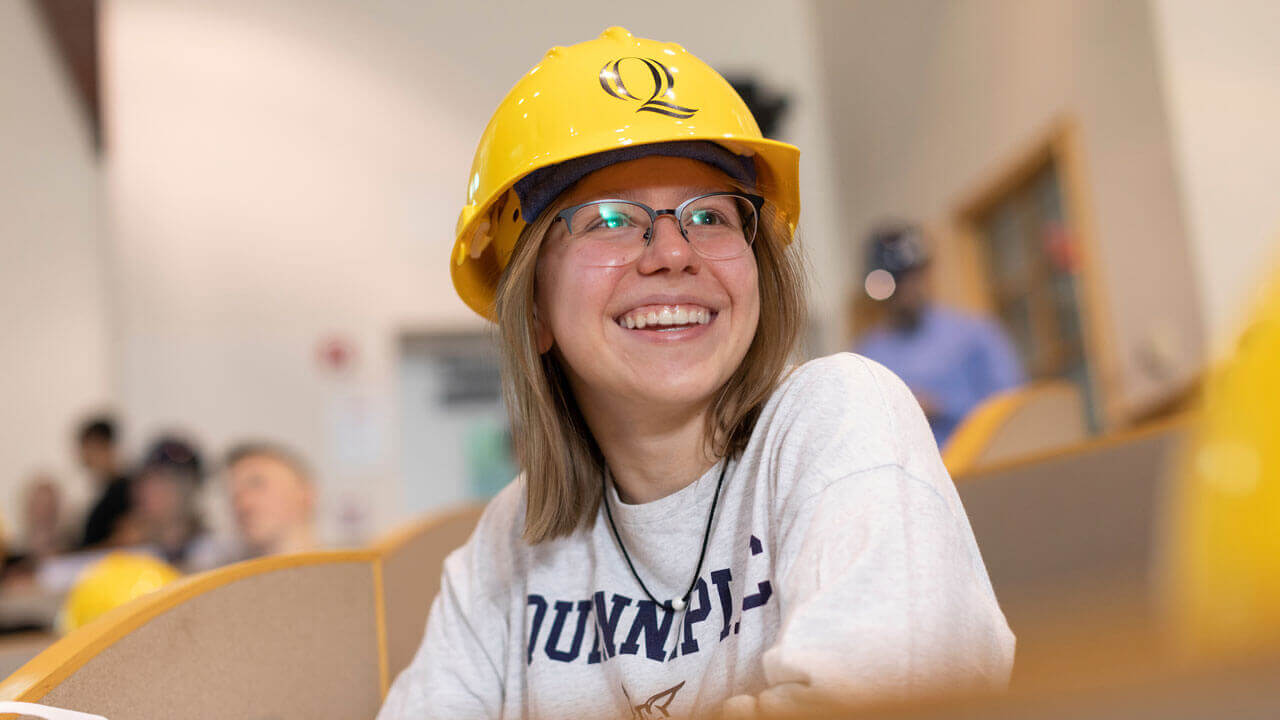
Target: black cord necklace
[(679, 603)]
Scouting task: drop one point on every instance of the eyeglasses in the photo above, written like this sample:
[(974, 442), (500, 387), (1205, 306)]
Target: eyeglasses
[(612, 233)]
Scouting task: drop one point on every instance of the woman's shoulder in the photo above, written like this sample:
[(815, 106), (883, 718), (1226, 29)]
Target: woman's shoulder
[(497, 559), (842, 368), (842, 385), (842, 414), (503, 516), (493, 552)]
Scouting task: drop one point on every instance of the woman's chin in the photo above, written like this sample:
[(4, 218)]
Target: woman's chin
[(675, 391)]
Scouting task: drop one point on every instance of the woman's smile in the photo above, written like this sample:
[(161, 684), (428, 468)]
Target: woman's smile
[(667, 324), (665, 317)]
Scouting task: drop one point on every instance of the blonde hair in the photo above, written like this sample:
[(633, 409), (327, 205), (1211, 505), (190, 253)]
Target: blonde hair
[(562, 464)]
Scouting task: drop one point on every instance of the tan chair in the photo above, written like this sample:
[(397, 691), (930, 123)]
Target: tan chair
[(412, 560), (1020, 422), (313, 635), (16, 650), (1072, 538), (295, 636)]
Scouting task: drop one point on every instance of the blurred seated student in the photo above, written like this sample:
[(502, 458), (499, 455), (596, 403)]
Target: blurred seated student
[(43, 532), (42, 535), (274, 499), (166, 491), (950, 360), (107, 523)]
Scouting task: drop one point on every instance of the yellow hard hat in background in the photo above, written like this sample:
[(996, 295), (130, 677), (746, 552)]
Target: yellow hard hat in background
[(616, 91), (110, 582), (1226, 530)]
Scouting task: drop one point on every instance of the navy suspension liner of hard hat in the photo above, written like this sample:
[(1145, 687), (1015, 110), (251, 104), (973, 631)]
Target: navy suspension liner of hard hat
[(540, 188)]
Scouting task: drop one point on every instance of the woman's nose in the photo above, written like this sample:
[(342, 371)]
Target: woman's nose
[(667, 249)]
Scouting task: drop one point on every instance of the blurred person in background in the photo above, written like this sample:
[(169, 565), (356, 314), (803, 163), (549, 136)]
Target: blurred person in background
[(274, 499), (43, 533), (107, 523), (166, 491), (950, 360)]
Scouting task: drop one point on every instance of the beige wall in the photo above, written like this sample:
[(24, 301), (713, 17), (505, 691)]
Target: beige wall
[(281, 172), (928, 99), (284, 172), (54, 358), (1222, 91)]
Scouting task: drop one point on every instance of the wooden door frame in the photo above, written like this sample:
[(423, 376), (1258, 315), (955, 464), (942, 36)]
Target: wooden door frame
[(1059, 144)]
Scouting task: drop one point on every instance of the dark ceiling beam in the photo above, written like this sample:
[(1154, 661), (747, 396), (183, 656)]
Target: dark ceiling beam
[(73, 27)]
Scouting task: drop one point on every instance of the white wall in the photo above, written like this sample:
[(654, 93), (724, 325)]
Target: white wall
[(54, 358), (1221, 72), (283, 172), (930, 99)]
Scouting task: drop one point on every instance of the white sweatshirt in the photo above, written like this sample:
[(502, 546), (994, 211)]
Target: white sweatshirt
[(841, 566)]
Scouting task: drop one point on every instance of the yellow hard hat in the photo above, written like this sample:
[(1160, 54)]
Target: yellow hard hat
[(1226, 559), (110, 582), (617, 91)]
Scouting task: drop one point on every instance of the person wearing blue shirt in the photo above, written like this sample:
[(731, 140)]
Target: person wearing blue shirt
[(951, 360)]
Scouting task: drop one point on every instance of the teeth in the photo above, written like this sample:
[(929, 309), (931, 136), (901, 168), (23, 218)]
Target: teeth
[(666, 317)]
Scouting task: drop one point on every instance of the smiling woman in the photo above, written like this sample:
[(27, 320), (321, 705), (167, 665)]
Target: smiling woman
[(696, 529)]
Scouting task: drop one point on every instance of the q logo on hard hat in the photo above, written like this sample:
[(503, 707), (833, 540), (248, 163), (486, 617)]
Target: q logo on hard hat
[(663, 81)]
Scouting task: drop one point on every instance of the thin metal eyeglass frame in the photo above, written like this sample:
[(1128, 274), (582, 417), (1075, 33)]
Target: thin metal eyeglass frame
[(757, 202)]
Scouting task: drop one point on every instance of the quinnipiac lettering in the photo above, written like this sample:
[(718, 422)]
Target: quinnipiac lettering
[(613, 616)]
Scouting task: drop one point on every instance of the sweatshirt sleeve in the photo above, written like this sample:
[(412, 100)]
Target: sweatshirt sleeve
[(884, 592), (455, 673)]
